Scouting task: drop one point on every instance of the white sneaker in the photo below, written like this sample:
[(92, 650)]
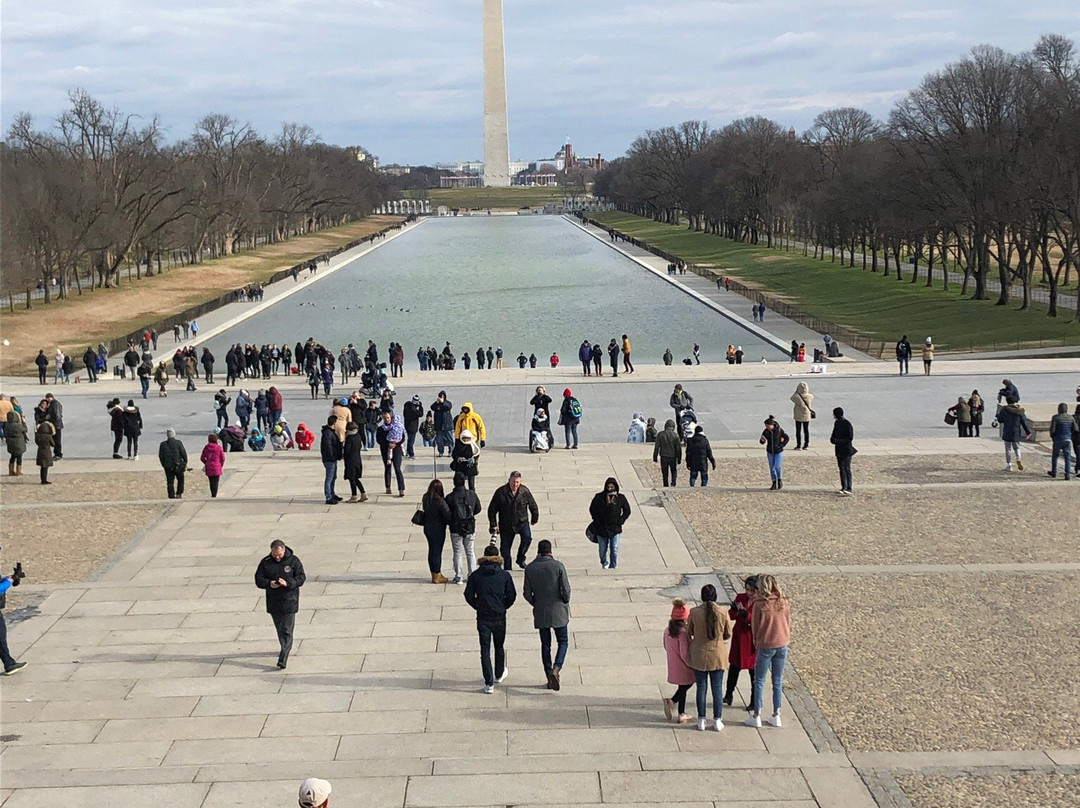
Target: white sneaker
[(752, 721), (774, 720), (489, 689), (136, 457), (604, 565), (701, 724), (1009, 467), (719, 725), (505, 673)]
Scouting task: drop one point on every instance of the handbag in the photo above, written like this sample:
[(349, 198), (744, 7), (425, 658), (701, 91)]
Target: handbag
[(590, 533), (813, 415), (950, 419), (418, 515)]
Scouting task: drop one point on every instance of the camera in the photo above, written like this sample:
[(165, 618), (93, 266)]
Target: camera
[(17, 574)]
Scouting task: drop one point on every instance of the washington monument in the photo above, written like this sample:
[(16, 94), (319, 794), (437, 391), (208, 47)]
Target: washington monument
[(496, 135)]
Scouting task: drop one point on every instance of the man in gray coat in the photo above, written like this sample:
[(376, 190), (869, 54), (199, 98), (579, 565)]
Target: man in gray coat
[(547, 589)]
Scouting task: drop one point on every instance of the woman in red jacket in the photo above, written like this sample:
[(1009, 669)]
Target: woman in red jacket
[(742, 654)]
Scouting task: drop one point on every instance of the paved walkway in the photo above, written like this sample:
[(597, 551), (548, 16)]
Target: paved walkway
[(155, 683)]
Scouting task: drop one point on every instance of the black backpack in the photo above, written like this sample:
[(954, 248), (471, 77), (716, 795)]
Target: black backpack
[(462, 512)]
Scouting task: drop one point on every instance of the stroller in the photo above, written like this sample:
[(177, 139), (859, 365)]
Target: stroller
[(540, 437), (687, 422)]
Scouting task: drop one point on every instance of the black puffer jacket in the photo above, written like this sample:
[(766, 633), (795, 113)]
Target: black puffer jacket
[(699, 454), (286, 599), (609, 514), (490, 589)]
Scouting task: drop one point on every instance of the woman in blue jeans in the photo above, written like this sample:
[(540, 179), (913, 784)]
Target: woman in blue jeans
[(771, 626), (609, 511), (709, 628)]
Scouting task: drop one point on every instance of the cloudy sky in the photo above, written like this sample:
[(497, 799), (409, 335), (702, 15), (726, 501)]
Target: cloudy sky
[(403, 77)]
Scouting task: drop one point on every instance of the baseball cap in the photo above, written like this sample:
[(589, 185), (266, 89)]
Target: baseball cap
[(314, 792)]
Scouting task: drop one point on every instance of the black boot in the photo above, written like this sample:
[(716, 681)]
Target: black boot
[(779, 484)]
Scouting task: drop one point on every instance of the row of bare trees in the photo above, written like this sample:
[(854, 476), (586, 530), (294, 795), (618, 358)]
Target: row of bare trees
[(977, 170), (102, 190)]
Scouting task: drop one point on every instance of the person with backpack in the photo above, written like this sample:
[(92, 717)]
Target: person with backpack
[(570, 417), (464, 506), (774, 438)]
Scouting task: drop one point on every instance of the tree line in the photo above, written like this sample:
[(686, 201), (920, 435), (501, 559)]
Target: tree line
[(977, 170), (101, 190)]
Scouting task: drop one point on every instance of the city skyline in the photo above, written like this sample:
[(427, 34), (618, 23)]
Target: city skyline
[(404, 79)]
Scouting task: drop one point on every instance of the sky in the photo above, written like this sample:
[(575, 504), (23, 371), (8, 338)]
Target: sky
[(403, 78)]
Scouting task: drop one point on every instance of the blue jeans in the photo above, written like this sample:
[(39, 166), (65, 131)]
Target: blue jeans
[(410, 443), (145, 385), (704, 478), (571, 430), (5, 655), (369, 433), (444, 439), (769, 659), (776, 465), (562, 643), (1062, 448), (704, 678), (605, 544), (331, 476)]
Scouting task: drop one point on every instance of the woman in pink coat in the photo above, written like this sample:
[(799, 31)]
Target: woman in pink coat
[(213, 460), (677, 646)]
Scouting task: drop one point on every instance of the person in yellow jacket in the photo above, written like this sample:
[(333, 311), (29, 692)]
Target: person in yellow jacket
[(628, 366), (470, 420)]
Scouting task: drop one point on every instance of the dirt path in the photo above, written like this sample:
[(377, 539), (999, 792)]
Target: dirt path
[(105, 314)]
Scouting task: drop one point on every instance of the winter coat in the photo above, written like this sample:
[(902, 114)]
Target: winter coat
[(412, 413), (771, 622), (221, 402), (54, 414), (243, 407), (464, 505), (775, 439), (283, 599), (803, 400), (681, 400), (352, 454), (274, 400), (547, 589), (566, 414), (262, 405), (1014, 423), (508, 512), (15, 434), (436, 516), (928, 353), (213, 459), (584, 353), (677, 648), (708, 654), (699, 454), (89, 358), (842, 436), (344, 416), (444, 418), (330, 445), (490, 589), (132, 422), (962, 411), (541, 401), (1063, 428), (609, 517), (116, 416), (667, 444), (43, 437), (465, 458), (172, 455), (471, 421), (742, 654)]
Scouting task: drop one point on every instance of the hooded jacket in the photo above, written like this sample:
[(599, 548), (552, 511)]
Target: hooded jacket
[(132, 422), (284, 599), (412, 413), (15, 434), (352, 454), (699, 454), (490, 589), (330, 445), (667, 443), (443, 412), (803, 400), (609, 515), (1014, 423), (471, 421), (43, 437)]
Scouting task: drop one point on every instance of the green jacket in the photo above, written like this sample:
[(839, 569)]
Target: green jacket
[(667, 443), (15, 434), (172, 455)]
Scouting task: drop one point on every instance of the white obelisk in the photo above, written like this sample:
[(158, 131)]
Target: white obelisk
[(496, 134)]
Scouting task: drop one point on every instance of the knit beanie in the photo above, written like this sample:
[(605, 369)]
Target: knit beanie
[(679, 610)]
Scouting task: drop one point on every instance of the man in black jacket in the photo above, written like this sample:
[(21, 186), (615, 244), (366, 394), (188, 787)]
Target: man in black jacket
[(490, 591), (281, 574), (330, 448), (842, 435), (173, 458), (412, 413), (443, 411), (54, 414), (90, 360), (513, 511)]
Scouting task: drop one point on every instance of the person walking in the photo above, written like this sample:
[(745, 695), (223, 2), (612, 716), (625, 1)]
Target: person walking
[(927, 355), (774, 439), (390, 436), (903, 355), (771, 626), (512, 512), (43, 438), (803, 400), (843, 433), (679, 672), (742, 654), (1063, 433), (470, 419), (412, 413), (330, 449), (352, 453), (609, 511), (15, 437), (598, 358), (442, 413), (490, 592), (569, 417), (1015, 427), (213, 460), (465, 459), (281, 574), (11, 665), (679, 401), (133, 425), (42, 362), (464, 506), (173, 459), (314, 793), (699, 456), (668, 450), (161, 377), (628, 366), (547, 590), (709, 628), (207, 361), (436, 520), (221, 408), (613, 357)]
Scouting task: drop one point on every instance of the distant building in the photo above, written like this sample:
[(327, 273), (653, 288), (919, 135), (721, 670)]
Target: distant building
[(461, 181), (396, 170)]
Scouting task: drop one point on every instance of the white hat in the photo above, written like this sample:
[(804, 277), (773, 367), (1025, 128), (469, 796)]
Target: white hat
[(314, 792), (466, 434)]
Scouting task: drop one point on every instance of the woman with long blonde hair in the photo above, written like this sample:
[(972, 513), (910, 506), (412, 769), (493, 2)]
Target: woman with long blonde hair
[(771, 627)]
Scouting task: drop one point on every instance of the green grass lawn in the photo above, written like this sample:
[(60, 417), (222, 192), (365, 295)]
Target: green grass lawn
[(498, 198), (881, 307)]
